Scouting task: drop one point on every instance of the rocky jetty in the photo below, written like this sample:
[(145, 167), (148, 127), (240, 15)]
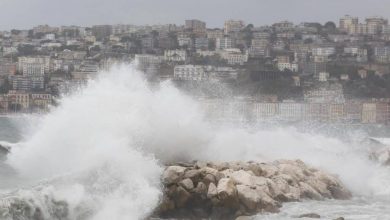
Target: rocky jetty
[(229, 190)]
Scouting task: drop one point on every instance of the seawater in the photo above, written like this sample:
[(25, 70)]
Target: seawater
[(101, 153)]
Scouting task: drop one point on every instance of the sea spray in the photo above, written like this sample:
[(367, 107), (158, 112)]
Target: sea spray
[(88, 148), (100, 152)]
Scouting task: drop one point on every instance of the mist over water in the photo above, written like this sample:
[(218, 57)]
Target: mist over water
[(102, 150)]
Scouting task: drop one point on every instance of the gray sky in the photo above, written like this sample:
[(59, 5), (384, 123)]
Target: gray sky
[(28, 13)]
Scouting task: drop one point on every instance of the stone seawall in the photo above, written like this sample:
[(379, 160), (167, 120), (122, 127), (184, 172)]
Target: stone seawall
[(228, 190)]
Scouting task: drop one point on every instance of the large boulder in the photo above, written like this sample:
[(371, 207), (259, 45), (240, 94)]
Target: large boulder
[(194, 175), (256, 200), (201, 189), (242, 177), (340, 192), (226, 189), (208, 170), (173, 174), (309, 215), (308, 192), (187, 184), (181, 196), (212, 191), (249, 197)]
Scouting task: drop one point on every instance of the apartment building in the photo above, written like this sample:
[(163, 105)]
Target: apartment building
[(190, 72), (233, 26), (24, 63), (224, 43), (196, 26), (175, 55), (349, 24)]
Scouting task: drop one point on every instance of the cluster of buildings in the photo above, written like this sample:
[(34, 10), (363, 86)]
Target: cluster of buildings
[(39, 64), (350, 112), (23, 102)]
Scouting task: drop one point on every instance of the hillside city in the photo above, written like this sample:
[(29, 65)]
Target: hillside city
[(285, 71)]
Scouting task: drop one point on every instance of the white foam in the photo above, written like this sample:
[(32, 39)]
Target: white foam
[(105, 142)]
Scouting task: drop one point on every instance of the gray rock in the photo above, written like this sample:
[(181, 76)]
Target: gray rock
[(340, 192), (308, 192), (227, 193), (187, 184), (201, 189), (309, 215), (249, 197), (226, 188), (229, 190), (181, 197), (194, 175), (212, 191), (173, 174), (244, 218), (209, 178)]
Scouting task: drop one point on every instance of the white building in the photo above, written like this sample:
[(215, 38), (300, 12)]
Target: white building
[(332, 93), (214, 34), (259, 47), (175, 55), (190, 72), (360, 53), (349, 24), (221, 73), (224, 43), (291, 111), (196, 26), (369, 113), (148, 59), (323, 76), (184, 41), (206, 53), (50, 36), (201, 43), (262, 111), (148, 63), (382, 54), (323, 51), (9, 50), (33, 69), (375, 25), (233, 26), (26, 83), (234, 57), (45, 60), (289, 66)]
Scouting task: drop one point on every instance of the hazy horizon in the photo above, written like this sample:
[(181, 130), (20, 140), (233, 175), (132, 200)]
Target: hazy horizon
[(22, 14)]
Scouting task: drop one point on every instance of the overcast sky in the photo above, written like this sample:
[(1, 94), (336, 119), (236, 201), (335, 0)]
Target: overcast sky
[(27, 13)]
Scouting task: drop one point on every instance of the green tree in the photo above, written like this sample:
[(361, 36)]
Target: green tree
[(15, 32), (330, 27), (26, 49), (212, 44), (248, 34)]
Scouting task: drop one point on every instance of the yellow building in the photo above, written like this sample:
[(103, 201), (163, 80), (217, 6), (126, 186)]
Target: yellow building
[(369, 113)]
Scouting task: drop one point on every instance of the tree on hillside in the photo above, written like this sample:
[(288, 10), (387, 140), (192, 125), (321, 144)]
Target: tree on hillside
[(15, 32), (248, 34), (330, 27), (26, 49)]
